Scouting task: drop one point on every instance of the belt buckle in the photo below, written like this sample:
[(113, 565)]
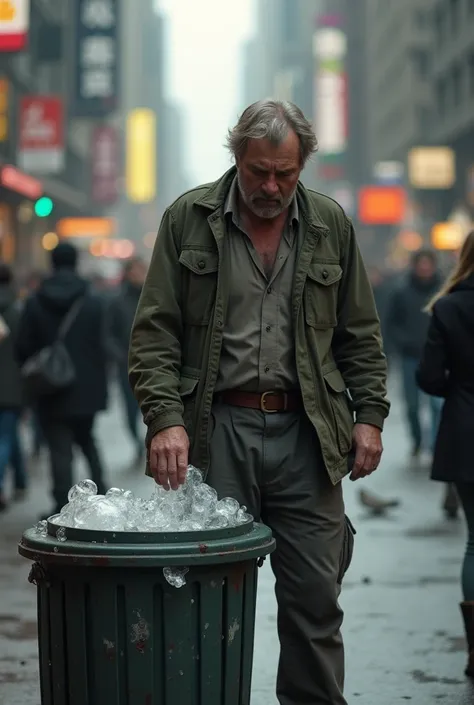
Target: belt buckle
[(263, 406)]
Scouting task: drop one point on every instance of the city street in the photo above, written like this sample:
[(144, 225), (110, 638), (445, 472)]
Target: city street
[(403, 629)]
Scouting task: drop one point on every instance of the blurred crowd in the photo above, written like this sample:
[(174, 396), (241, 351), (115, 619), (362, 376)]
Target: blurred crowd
[(94, 319)]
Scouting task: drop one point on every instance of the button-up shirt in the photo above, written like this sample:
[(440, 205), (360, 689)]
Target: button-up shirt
[(258, 339)]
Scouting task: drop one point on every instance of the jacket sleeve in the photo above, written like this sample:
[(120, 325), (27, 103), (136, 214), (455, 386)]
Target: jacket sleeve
[(357, 342), (155, 344), (433, 371)]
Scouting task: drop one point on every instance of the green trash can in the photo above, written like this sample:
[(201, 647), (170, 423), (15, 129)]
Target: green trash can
[(112, 631)]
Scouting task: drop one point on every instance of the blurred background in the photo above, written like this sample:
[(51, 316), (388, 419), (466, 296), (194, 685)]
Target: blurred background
[(109, 109)]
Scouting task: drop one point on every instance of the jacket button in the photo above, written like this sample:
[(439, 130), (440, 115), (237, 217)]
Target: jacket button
[(201, 264), (325, 273)]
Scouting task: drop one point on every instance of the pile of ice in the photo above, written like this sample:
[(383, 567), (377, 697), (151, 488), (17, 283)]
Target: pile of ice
[(193, 507)]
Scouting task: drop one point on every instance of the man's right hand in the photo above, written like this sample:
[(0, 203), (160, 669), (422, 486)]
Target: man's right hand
[(169, 457)]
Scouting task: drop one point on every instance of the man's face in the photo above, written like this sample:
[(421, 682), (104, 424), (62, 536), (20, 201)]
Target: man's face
[(268, 175), (425, 268), (137, 274)]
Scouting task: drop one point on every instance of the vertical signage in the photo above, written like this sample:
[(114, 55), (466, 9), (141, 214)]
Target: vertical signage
[(141, 156), (4, 108), (97, 55), (14, 24), (105, 165), (330, 96), (41, 135)]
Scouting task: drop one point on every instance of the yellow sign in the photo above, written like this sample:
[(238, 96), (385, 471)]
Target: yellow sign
[(432, 167), (7, 11), (141, 156), (447, 236), (3, 109), (86, 227)]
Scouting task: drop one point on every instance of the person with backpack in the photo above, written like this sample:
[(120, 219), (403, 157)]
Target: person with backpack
[(11, 390), (62, 346)]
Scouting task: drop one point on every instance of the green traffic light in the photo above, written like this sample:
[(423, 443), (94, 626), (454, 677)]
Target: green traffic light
[(43, 207)]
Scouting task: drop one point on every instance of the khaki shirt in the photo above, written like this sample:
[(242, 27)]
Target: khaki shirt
[(258, 352)]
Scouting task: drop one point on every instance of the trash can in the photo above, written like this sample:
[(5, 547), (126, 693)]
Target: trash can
[(112, 630)]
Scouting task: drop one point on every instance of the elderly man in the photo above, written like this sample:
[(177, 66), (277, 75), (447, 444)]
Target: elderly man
[(255, 321)]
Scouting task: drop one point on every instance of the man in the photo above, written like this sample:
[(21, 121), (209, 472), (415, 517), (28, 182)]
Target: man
[(122, 312), (255, 318), (67, 417), (407, 326)]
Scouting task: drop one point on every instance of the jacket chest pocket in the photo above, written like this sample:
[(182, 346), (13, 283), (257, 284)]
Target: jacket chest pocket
[(200, 285), (320, 295)]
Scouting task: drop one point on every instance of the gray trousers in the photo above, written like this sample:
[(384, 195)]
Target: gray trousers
[(272, 463)]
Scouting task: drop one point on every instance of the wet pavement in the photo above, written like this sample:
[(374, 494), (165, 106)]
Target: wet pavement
[(403, 630)]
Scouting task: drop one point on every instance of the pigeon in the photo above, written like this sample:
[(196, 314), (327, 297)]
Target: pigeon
[(377, 505)]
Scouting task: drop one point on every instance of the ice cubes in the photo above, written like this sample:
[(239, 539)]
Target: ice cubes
[(193, 507), (175, 576)]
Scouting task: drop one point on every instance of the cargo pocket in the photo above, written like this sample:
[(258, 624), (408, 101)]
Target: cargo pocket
[(187, 390), (347, 549), (201, 285), (342, 416), (320, 295)]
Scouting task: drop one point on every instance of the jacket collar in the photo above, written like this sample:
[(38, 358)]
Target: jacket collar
[(215, 197)]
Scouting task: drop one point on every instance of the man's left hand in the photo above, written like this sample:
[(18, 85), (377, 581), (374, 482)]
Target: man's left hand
[(368, 450)]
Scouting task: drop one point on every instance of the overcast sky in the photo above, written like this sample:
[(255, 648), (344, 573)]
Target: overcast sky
[(204, 74)]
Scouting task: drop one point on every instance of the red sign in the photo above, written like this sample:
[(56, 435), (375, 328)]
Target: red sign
[(14, 23), (382, 205), (15, 180), (41, 134), (105, 165)]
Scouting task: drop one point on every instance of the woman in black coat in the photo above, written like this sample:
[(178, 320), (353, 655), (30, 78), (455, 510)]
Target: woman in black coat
[(447, 370)]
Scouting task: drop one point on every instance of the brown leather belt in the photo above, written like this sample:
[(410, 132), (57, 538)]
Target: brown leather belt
[(268, 402)]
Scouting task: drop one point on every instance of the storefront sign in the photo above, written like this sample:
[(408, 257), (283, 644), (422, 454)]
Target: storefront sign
[(432, 167), (382, 205), (447, 236), (14, 24), (16, 180), (86, 227), (105, 165), (41, 135), (97, 52), (141, 155)]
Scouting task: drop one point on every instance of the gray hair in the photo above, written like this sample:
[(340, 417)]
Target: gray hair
[(272, 120)]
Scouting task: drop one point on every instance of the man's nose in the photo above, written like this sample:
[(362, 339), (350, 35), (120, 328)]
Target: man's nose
[(270, 187)]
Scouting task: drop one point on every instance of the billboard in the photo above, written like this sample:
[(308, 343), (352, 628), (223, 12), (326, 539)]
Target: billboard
[(432, 167), (330, 111), (96, 38), (41, 135), (14, 25)]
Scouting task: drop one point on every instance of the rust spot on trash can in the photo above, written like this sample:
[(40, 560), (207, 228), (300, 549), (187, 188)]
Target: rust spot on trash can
[(100, 561), (203, 548)]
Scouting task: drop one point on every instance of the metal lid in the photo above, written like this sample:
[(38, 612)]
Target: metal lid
[(106, 548)]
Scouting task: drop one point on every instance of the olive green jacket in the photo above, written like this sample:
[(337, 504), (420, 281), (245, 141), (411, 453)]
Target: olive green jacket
[(177, 334)]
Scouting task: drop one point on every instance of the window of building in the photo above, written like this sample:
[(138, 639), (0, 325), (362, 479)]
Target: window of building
[(422, 64), (454, 15), (289, 20), (420, 19), (456, 85), (441, 96), (439, 20)]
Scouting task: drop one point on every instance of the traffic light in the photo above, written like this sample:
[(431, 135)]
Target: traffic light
[(43, 207)]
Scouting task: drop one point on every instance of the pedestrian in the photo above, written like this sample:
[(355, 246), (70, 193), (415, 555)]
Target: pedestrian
[(121, 314), (67, 417), (255, 319), (406, 327), (447, 370), (11, 391)]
